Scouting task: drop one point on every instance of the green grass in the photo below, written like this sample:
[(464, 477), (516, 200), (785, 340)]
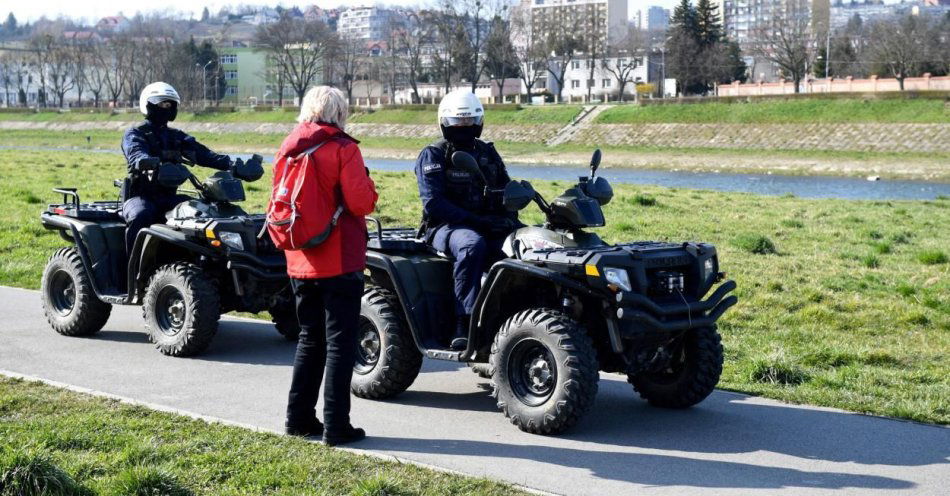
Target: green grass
[(869, 335), (89, 445), (782, 112), (914, 165)]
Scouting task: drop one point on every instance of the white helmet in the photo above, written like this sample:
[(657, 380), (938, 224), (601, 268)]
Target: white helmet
[(460, 108), (155, 93)]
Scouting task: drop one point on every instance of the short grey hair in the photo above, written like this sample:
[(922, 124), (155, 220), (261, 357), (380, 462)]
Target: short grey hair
[(324, 104)]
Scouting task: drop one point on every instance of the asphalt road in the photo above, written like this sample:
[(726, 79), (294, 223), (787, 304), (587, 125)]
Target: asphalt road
[(729, 444)]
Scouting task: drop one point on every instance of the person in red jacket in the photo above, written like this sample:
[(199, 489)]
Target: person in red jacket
[(328, 279)]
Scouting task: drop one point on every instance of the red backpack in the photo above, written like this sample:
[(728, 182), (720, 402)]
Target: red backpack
[(289, 216)]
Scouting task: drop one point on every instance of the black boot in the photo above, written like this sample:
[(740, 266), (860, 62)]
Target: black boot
[(349, 435), (311, 428), (460, 340)]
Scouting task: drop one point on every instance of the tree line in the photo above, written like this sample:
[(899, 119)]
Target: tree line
[(55, 63)]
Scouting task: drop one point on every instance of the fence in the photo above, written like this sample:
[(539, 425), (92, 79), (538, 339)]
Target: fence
[(873, 84)]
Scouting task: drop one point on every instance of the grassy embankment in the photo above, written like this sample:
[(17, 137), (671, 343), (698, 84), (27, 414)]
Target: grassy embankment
[(912, 165), (81, 445), (842, 303), (921, 111)]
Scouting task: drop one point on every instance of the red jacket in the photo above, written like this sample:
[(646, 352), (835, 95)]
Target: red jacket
[(342, 178)]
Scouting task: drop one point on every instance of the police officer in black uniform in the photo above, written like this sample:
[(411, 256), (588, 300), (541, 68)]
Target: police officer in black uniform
[(153, 151), (459, 218)]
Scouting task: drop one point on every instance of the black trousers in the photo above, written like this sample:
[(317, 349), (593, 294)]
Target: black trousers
[(328, 311), (140, 212)]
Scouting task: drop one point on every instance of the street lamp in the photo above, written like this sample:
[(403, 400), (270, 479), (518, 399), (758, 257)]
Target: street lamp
[(204, 82)]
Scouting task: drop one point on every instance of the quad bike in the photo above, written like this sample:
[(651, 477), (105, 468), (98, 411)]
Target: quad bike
[(562, 306), (204, 261)]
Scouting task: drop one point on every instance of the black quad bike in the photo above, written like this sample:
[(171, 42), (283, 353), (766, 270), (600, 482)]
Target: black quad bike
[(204, 261), (561, 307)]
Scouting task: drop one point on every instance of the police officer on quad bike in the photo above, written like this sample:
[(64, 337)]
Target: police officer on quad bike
[(154, 153), (459, 218)]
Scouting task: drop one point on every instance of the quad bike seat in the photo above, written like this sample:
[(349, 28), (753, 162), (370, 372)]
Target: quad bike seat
[(395, 239)]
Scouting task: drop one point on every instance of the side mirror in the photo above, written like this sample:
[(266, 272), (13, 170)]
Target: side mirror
[(467, 163), (594, 162), (600, 190), (518, 195)]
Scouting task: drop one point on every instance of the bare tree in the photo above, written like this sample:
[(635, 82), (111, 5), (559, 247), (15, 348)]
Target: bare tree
[(594, 46), (500, 60), (42, 49), (413, 41), (97, 71), (60, 71), (563, 42), (787, 43), (79, 50), (622, 59), (901, 48), (298, 47), (348, 61), (529, 49)]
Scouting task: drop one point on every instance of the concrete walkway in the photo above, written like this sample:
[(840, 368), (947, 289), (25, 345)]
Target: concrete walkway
[(729, 444)]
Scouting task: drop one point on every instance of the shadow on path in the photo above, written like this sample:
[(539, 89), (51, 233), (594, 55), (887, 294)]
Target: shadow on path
[(646, 469)]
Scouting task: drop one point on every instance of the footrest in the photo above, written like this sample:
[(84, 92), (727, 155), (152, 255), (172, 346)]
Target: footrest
[(455, 356)]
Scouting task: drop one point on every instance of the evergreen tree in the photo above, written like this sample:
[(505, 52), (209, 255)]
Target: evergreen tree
[(708, 25), (205, 14), (10, 25)]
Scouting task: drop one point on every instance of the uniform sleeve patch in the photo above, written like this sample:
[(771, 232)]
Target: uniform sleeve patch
[(431, 167)]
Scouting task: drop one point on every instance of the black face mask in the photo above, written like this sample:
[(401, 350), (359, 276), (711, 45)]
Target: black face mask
[(462, 137), (159, 116)]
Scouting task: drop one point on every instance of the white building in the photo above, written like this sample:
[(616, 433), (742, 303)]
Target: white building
[(606, 82), (368, 23)]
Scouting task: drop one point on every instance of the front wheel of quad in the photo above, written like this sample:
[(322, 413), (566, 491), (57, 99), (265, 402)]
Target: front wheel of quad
[(690, 376), (181, 309), (69, 302), (283, 314), (387, 360), (545, 371)]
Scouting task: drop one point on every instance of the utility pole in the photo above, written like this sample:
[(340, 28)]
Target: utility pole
[(827, 52)]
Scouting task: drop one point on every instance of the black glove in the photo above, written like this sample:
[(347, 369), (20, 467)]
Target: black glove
[(147, 164), (250, 170)]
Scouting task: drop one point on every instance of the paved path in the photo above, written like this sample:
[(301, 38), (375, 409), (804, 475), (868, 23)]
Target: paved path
[(731, 443)]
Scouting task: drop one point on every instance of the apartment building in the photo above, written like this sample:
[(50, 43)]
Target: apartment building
[(368, 23), (743, 19), (603, 20)]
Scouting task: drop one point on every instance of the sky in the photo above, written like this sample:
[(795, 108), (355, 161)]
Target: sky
[(92, 10)]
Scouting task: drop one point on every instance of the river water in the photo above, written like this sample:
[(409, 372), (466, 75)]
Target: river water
[(763, 184)]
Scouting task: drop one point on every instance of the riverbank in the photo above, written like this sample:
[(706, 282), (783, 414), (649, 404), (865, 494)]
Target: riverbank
[(842, 303), (930, 166)]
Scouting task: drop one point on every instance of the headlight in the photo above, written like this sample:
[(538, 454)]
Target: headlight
[(618, 277), (232, 239)]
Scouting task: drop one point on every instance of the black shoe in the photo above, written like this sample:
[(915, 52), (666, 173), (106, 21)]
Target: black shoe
[(460, 341), (349, 435), (459, 344), (314, 428)]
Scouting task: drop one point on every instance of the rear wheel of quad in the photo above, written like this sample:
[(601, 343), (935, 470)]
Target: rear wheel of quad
[(181, 309), (691, 375), (387, 360), (69, 302), (545, 371), (482, 370), (283, 314)]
